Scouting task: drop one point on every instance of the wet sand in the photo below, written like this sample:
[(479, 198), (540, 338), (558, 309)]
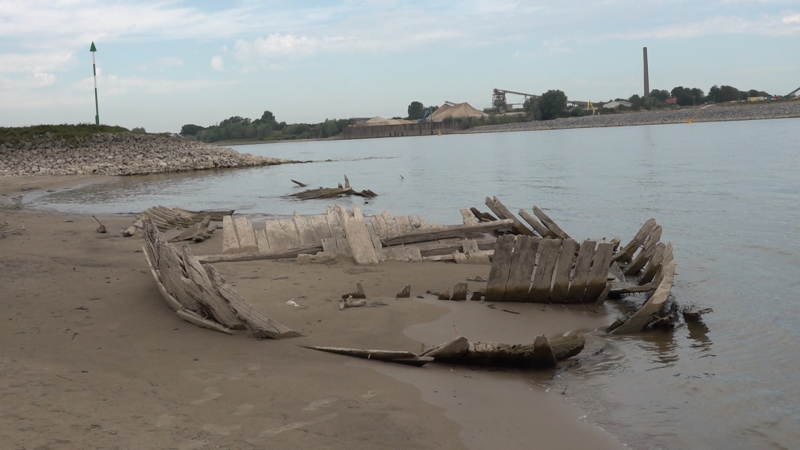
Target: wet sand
[(92, 356)]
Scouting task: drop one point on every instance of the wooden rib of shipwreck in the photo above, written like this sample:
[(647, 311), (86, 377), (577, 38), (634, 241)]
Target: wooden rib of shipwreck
[(541, 354), (199, 294), (167, 219), (340, 191)]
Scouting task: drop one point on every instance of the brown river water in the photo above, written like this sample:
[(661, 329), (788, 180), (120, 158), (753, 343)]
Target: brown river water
[(727, 195)]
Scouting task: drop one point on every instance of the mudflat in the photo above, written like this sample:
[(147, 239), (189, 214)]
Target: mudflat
[(92, 357)]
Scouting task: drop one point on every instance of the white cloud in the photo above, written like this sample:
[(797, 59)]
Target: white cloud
[(34, 62), (116, 85), (170, 61), (217, 63)]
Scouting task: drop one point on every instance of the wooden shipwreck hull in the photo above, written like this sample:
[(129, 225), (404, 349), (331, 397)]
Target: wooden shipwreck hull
[(199, 294)]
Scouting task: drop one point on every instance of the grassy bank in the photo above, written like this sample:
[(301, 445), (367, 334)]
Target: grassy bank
[(70, 133)]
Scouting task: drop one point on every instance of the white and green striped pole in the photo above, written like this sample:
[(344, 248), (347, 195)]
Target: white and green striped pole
[(94, 70)]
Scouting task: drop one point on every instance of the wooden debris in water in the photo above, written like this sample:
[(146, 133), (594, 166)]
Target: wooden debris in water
[(321, 193), (645, 315)]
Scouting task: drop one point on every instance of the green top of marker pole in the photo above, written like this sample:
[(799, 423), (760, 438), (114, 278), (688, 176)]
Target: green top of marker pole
[(93, 48)]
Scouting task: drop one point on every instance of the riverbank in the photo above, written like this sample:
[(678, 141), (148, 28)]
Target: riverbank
[(715, 113), (93, 357), (119, 154)]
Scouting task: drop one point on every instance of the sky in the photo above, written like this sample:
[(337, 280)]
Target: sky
[(165, 63)]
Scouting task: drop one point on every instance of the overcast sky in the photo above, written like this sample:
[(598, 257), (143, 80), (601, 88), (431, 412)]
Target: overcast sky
[(162, 64)]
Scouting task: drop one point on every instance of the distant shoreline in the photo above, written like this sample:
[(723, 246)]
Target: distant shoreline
[(715, 113)]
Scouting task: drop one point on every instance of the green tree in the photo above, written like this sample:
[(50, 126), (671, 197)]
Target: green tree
[(415, 110), (531, 107), (636, 101), (729, 94), (697, 96), (191, 130), (139, 130), (552, 104), (683, 95), (660, 95)]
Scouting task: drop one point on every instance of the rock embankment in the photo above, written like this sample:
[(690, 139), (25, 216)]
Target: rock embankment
[(119, 154), (715, 113)]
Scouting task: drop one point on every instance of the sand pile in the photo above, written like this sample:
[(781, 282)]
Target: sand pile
[(456, 111), (378, 120)]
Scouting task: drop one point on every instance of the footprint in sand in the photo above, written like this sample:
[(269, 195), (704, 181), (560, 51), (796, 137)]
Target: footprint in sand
[(243, 409), (370, 394), (220, 430), (211, 393), (315, 405), (164, 420), (193, 444)]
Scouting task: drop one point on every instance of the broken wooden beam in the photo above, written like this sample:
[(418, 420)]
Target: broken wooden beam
[(502, 212), (453, 231), (258, 256), (549, 223)]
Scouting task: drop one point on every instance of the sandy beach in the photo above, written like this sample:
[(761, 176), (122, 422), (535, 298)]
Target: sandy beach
[(93, 357)]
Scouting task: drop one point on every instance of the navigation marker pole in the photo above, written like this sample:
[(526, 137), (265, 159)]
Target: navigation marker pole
[(93, 49)]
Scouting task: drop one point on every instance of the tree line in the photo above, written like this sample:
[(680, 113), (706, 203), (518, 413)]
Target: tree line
[(264, 128)]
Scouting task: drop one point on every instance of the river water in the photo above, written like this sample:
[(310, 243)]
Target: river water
[(727, 195)]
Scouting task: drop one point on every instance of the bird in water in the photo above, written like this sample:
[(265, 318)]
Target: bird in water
[(402, 178)]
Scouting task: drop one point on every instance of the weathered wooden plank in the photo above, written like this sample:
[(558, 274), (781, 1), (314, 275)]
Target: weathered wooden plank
[(413, 253), (290, 229), (230, 242), (278, 238), (580, 277), (644, 315), (647, 252), (195, 319), (171, 301), (549, 223), (376, 243), (448, 246), (598, 274), (320, 224), (543, 276), (390, 225), (262, 241), (378, 226), (459, 292), (414, 222), (247, 239), (422, 223), (502, 212), (361, 247), (206, 294), (337, 232), (469, 246), (329, 246), (536, 225), (523, 260), (625, 255), (565, 260), (501, 266), (305, 231), (397, 253), (171, 271), (469, 218), (453, 231), (654, 264), (403, 225)]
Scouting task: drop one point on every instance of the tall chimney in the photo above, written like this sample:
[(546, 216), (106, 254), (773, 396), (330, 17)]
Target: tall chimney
[(646, 75)]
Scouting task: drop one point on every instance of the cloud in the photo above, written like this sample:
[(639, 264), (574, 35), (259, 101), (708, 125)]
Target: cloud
[(217, 63), (170, 61), (113, 85), (34, 62)]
